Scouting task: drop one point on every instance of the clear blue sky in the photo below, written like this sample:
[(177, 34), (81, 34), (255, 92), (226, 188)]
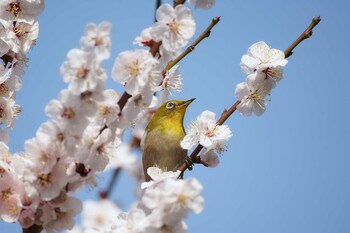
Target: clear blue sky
[(284, 172)]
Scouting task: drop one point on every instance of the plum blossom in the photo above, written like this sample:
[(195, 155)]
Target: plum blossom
[(261, 55), (145, 39), (97, 37), (9, 110), (174, 27), (99, 214), (20, 34), (202, 4), (14, 9), (135, 69), (210, 158), (81, 72), (252, 98), (171, 200), (171, 82), (59, 215), (158, 176), (133, 221), (206, 132)]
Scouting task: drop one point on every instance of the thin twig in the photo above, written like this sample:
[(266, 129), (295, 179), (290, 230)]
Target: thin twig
[(227, 113), (33, 229), (306, 34), (105, 194), (205, 34)]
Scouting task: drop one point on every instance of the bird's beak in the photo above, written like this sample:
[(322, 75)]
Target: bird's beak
[(187, 102)]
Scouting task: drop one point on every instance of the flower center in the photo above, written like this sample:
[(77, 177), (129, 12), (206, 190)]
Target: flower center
[(68, 113), (44, 179), (173, 26), (134, 69), (81, 72), (6, 194), (14, 8)]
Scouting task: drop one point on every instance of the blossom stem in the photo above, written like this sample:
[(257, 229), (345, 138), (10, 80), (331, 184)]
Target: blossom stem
[(178, 2), (205, 34), (33, 229), (105, 194), (306, 34), (227, 113)]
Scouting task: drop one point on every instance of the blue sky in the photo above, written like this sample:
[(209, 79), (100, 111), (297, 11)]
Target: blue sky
[(286, 171)]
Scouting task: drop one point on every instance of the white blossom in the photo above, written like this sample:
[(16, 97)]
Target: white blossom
[(261, 55), (174, 27), (97, 37), (158, 176), (252, 98), (81, 72), (99, 214), (134, 221), (206, 132), (134, 69)]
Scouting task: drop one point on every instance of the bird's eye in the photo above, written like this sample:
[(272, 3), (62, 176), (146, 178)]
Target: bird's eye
[(170, 105)]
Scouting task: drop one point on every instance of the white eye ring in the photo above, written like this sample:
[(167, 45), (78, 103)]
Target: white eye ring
[(170, 105)]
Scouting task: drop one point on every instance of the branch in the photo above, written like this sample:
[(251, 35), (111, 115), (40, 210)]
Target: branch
[(33, 229), (205, 34), (227, 113), (303, 36), (107, 192)]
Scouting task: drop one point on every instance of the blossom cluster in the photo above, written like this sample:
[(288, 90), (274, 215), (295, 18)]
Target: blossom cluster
[(165, 202), (210, 135), (19, 30), (70, 148), (84, 134), (264, 68)]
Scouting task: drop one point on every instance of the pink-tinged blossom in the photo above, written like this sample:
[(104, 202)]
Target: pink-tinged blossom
[(171, 200), (210, 158), (158, 176), (11, 190), (171, 82), (69, 111), (145, 39), (202, 4), (266, 77), (81, 71), (99, 215), (135, 69), (58, 216), (261, 55), (21, 34), (9, 110), (206, 132), (174, 27), (97, 37), (252, 98), (108, 109), (133, 221), (14, 9), (122, 156), (49, 184)]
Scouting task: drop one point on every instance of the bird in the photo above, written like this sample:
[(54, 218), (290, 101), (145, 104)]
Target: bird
[(162, 137)]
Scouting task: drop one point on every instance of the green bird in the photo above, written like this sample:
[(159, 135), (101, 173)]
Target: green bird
[(163, 134)]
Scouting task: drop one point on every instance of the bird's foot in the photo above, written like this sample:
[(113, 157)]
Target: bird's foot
[(189, 163)]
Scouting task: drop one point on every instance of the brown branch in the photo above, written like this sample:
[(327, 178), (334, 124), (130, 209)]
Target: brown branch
[(205, 34), (306, 34), (227, 113), (178, 2), (33, 229), (105, 194)]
